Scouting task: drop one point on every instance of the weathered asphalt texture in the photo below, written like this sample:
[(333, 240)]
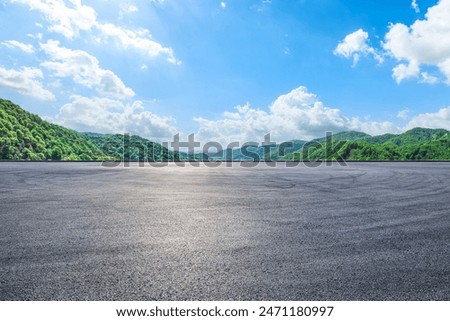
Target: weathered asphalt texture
[(368, 231)]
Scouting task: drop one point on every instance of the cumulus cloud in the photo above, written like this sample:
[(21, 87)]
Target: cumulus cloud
[(373, 127), (103, 115), (296, 115), (83, 69), (25, 81), (425, 42), (14, 44), (405, 71), (69, 20), (439, 119), (356, 44)]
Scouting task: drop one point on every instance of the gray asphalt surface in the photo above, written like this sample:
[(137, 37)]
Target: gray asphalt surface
[(368, 231)]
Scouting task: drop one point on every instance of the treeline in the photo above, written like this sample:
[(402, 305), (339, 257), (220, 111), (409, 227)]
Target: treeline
[(134, 148), (415, 144)]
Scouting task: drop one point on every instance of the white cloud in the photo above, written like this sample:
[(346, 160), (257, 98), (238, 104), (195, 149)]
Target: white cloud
[(70, 20), (415, 6), (103, 115), (355, 44), (373, 127), (223, 5), (425, 42), (428, 79), (36, 36), (84, 69), (405, 71), (65, 20), (439, 119), (13, 44), (25, 81), (296, 115), (403, 114), (139, 40)]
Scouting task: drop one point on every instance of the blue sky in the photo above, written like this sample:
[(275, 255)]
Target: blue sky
[(229, 70)]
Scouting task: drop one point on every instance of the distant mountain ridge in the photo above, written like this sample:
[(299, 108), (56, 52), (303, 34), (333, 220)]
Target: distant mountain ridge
[(25, 136), (414, 144), (118, 146)]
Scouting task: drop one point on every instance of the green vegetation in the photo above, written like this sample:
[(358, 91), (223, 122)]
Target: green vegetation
[(415, 144), (134, 148), (24, 136)]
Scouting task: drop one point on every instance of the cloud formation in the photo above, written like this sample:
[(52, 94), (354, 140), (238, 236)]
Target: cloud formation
[(27, 48), (296, 115), (356, 44), (415, 6), (439, 119), (423, 44), (83, 69), (69, 20), (300, 115), (103, 115), (25, 81), (63, 19)]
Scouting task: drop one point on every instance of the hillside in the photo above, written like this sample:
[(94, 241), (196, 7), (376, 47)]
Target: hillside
[(257, 152), (131, 147), (415, 144), (24, 136)]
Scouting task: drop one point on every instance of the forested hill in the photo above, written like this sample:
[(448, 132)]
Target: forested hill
[(415, 144), (132, 148), (24, 136)]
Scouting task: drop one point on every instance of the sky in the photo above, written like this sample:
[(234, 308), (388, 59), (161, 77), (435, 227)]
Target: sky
[(231, 70)]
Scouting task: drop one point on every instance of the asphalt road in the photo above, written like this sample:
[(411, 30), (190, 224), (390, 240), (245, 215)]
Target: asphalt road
[(368, 231)]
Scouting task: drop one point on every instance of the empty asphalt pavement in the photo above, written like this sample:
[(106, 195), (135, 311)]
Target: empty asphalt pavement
[(367, 231)]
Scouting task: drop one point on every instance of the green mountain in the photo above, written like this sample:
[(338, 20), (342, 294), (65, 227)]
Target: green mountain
[(415, 144), (28, 137), (133, 148), (25, 136), (256, 152), (349, 135)]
